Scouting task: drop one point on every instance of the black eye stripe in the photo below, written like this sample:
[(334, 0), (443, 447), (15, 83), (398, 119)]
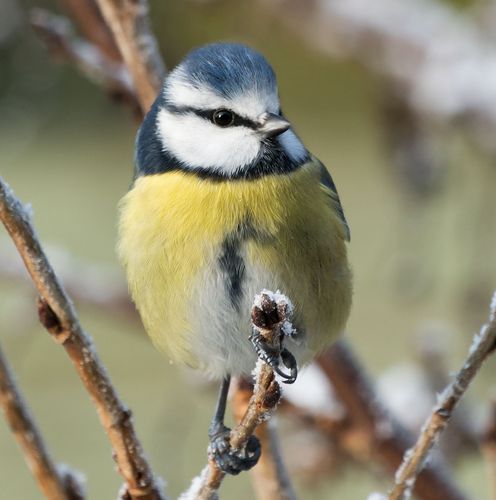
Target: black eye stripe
[(207, 114)]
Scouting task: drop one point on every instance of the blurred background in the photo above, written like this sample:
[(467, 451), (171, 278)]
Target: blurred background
[(397, 99)]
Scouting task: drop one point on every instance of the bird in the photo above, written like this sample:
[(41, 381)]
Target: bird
[(227, 201)]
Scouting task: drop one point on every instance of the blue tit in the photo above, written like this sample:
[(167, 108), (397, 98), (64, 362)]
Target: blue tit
[(227, 201)]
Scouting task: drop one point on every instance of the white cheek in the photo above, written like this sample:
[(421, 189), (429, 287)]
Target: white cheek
[(200, 144), (293, 146)]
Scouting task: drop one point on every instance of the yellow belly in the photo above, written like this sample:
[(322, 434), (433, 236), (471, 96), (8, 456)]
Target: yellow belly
[(172, 229)]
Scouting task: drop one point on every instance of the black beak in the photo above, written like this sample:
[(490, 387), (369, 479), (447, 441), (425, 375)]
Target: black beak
[(272, 125)]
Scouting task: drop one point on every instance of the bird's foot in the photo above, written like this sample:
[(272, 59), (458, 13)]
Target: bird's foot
[(233, 461), (273, 357)]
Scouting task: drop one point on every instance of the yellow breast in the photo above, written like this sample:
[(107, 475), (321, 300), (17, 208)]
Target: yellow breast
[(172, 227)]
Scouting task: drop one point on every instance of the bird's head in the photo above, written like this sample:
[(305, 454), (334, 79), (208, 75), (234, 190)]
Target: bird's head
[(219, 113)]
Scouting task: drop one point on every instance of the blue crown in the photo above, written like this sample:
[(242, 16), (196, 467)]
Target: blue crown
[(229, 69)]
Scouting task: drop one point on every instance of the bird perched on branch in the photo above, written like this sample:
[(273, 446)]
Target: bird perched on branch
[(227, 201)]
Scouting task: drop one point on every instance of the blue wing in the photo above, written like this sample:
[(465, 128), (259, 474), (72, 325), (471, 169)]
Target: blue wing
[(326, 180)]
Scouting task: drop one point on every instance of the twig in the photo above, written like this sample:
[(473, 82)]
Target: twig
[(128, 21), (59, 318), (90, 59), (269, 476), (265, 396), (268, 316), (483, 345), (463, 433), (88, 18), (488, 445), (369, 433), (55, 483)]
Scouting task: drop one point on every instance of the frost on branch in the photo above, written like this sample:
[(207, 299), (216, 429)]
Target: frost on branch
[(269, 313), (414, 460)]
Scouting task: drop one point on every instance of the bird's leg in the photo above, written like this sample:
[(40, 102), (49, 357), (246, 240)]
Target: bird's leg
[(228, 460), (273, 356)]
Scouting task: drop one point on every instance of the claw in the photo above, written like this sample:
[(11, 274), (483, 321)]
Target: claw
[(289, 362), (273, 356), (234, 461)]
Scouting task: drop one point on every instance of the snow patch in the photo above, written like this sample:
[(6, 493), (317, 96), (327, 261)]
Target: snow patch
[(278, 297)]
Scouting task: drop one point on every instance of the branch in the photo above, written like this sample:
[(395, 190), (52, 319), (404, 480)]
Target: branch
[(483, 345), (56, 483), (269, 476), (128, 21), (368, 432), (92, 25), (90, 59), (122, 55), (58, 316), (269, 314)]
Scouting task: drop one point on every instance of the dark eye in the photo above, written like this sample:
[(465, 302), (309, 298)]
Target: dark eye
[(223, 117)]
